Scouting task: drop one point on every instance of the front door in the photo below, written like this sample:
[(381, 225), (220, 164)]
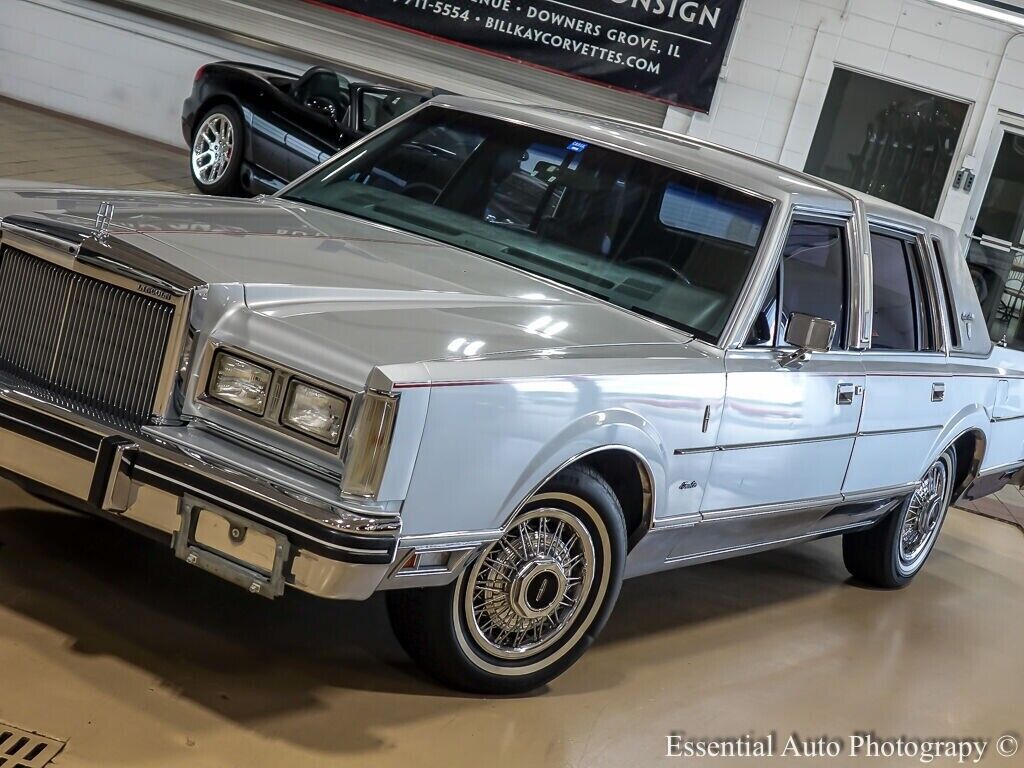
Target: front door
[(787, 432), (996, 240)]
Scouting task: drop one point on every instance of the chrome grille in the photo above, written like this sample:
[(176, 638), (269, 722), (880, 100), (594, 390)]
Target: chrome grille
[(95, 344)]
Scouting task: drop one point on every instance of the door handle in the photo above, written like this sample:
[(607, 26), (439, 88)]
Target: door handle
[(938, 392), (845, 394)]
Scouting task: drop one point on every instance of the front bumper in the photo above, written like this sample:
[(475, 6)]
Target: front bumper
[(183, 497)]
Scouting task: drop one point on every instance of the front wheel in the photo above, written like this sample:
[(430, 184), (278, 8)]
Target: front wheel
[(532, 602), (894, 551)]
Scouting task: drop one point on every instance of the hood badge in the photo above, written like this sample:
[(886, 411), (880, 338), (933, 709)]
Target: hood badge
[(104, 215)]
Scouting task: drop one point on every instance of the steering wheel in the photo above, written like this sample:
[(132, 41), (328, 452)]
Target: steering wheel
[(661, 266), (421, 190), (323, 105)]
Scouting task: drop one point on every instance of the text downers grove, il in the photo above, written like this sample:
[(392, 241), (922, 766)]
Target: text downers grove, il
[(666, 49)]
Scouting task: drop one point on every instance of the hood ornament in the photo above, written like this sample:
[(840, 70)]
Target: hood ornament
[(104, 215)]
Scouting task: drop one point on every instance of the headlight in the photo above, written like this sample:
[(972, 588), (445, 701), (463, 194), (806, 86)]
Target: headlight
[(366, 454), (240, 383), (314, 412)]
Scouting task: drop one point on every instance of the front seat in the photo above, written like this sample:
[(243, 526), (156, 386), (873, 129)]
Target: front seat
[(320, 89)]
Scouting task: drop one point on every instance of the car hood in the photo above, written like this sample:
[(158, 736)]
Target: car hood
[(376, 294)]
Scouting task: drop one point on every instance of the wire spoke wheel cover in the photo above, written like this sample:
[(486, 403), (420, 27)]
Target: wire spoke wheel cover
[(924, 516), (532, 594), (213, 149)]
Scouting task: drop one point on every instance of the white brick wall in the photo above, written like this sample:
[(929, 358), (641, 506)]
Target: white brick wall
[(784, 53), (93, 62), (96, 64)]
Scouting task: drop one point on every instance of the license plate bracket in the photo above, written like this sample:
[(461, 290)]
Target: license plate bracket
[(227, 545)]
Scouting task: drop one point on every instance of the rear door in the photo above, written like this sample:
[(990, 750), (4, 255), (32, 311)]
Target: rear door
[(909, 394)]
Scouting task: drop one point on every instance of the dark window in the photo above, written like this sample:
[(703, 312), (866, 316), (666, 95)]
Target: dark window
[(887, 139), (901, 320), (652, 239), (813, 282), (814, 275), (951, 319), (377, 108), (762, 334)]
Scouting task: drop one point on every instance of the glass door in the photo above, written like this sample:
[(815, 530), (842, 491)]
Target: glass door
[(996, 250)]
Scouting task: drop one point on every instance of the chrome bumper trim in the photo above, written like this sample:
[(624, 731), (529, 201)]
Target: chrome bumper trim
[(139, 479)]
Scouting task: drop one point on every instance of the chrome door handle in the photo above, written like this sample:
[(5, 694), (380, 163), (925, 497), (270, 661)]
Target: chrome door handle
[(938, 392), (845, 393)]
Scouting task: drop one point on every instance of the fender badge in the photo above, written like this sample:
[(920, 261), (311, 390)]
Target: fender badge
[(689, 485)]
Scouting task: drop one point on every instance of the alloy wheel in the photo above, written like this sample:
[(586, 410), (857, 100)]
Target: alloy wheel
[(213, 148)]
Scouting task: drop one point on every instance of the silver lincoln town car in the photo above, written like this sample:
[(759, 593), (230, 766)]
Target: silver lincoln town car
[(494, 360)]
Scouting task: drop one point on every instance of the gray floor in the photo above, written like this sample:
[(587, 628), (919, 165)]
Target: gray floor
[(36, 145)]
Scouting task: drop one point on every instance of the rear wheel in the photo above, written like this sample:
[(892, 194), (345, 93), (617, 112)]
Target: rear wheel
[(893, 552), (532, 602), (216, 158)]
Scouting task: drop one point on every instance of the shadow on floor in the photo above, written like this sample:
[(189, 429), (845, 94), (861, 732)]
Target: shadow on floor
[(250, 660)]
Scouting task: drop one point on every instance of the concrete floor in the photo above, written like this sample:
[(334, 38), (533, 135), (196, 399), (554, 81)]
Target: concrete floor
[(135, 659), (39, 146)]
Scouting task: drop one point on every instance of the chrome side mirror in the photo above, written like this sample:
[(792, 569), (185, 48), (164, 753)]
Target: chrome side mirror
[(807, 334)]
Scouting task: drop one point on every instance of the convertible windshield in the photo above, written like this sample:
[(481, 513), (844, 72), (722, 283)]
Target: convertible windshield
[(648, 238)]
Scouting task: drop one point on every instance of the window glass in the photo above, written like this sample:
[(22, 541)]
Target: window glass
[(649, 238), (887, 139), (762, 333), (531, 190), (922, 306), (378, 108), (995, 253), (814, 275), (951, 318), (683, 208), (893, 325)]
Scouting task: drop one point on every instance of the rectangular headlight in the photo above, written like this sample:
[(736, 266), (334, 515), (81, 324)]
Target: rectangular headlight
[(240, 383), (314, 412), (369, 443)]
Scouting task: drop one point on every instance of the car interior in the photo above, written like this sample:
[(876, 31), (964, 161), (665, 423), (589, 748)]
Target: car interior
[(323, 91), (655, 240)]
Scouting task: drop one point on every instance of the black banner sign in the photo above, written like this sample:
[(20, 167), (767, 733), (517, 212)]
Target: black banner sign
[(667, 49)]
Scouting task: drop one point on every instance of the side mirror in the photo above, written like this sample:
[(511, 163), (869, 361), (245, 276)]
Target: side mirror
[(807, 334)]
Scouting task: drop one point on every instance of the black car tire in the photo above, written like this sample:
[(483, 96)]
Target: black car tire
[(878, 555), (441, 627), (227, 179)]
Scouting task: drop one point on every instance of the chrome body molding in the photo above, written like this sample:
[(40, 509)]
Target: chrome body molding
[(721, 554)]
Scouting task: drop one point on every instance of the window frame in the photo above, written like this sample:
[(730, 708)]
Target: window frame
[(952, 339), (923, 281), (802, 215)]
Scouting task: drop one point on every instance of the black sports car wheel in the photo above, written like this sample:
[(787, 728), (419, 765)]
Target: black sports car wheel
[(216, 157), (532, 602)]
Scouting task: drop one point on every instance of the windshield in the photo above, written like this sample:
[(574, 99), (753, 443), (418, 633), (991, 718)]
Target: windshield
[(651, 239)]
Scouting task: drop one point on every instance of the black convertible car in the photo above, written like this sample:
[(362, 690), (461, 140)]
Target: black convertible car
[(253, 129)]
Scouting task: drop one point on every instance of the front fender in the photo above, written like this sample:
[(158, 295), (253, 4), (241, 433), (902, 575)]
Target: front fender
[(598, 431)]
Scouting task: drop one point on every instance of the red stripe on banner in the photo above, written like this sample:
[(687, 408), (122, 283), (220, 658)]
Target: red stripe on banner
[(503, 57)]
